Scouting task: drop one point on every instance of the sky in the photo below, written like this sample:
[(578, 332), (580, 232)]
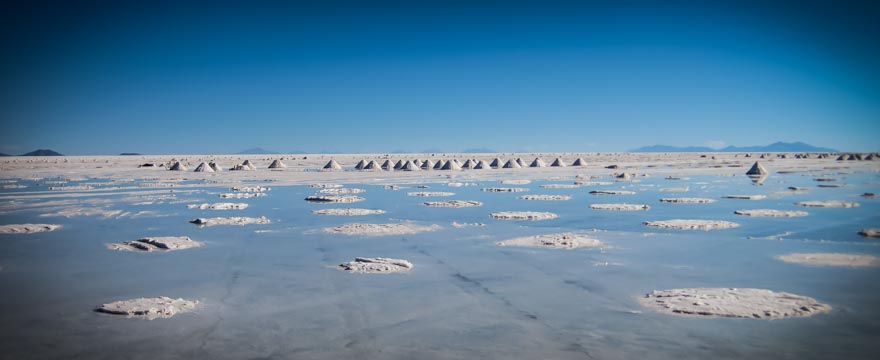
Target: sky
[(186, 77)]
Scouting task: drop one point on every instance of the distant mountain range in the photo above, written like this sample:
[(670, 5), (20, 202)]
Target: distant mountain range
[(43, 152), (256, 150), (774, 147), (128, 154)]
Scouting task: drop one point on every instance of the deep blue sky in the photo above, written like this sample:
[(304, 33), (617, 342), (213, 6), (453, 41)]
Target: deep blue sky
[(92, 78)]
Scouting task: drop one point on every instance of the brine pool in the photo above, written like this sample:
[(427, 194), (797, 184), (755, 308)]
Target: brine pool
[(271, 291)]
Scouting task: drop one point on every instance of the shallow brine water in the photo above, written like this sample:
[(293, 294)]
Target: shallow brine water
[(271, 291)]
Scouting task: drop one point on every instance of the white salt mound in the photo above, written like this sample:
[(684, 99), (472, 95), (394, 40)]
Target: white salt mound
[(218, 206), (430, 193), (149, 308), (829, 204), (348, 212), (375, 265), (771, 213), (334, 198), (523, 215), (516, 182), (454, 203), (733, 302), (499, 189), (230, 221), (553, 241), (240, 195), (692, 224), (620, 207), (160, 243), (870, 232), (27, 228), (559, 186), (380, 229), (546, 197), (687, 200), (831, 259), (341, 191)]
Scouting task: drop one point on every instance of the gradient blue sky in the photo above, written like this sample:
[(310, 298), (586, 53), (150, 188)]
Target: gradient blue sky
[(162, 78)]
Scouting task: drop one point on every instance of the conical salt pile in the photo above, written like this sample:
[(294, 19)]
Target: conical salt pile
[(438, 165), (277, 164), (387, 165), (579, 162), (427, 165), (204, 167), (451, 165), (177, 166), (622, 176), (248, 165), (511, 164), (372, 165), (469, 164), (482, 165), (332, 165), (409, 166), (757, 170), (361, 164), (520, 162), (215, 167), (538, 163), (496, 163), (558, 163)]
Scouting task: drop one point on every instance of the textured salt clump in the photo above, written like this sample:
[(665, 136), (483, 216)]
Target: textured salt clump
[(454, 203), (546, 197), (241, 195), (325, 186), (831, 259), (230, 221), (149, 308), (611, 192), (252, 189), (218, 206), (456, 224), (676, 190), (348, 212), (620, 207), (592, 183), (334, 198), (771, 213), (687, 200), (161, 243), (745, 197), (553, 241), (376, 265), (341, 191), (516, 182), (732, 302), (500, 189), (380, 229), (27, 228), (560, 186), (523, 215), (829, 204), (870, 232), (430, 193), (692, 224)]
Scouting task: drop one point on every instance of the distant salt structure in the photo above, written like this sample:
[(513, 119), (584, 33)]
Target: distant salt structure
[(427, 165), (512, 164), (277, 164), (372, 165), (438, 165), (204, 167), (558, 163), (397, 165), (361, 164), (757, 170), (469, 164), (579, 162), (496, 163), (521, 162), (177, 167), (387, 165), (247, 163), (451, 165), (482, 165), (332, 165), (538, 163), (215, 167), (409, 166)]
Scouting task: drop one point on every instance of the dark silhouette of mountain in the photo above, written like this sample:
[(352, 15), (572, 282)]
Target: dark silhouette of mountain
[(478, 151), (43, 152), (2, 154), (774, 147), (128, 154), (256, 150)]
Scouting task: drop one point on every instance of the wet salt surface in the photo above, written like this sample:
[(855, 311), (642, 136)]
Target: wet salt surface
[(277, 294)]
